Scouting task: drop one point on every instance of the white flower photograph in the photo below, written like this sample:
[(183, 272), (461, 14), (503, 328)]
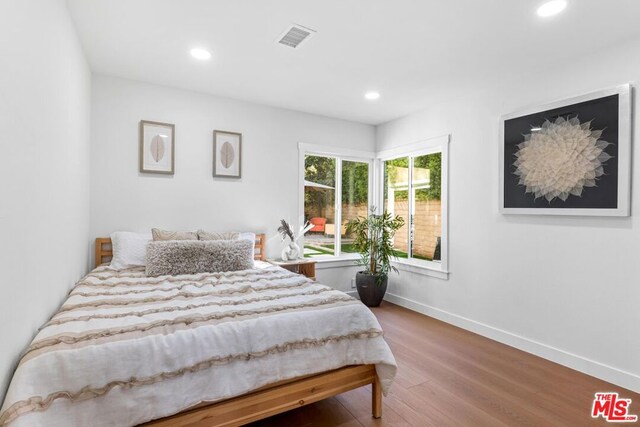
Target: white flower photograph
[(568, 158)]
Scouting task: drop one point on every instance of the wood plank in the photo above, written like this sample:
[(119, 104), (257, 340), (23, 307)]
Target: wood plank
[(274, 400), (452, 377), (327, 412), (449, 376), (358, 403), (376, 398)]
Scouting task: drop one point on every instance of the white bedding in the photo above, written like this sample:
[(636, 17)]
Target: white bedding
[(125, 349)]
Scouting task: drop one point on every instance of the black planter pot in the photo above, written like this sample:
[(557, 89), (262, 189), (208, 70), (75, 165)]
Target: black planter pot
[(371, 289)]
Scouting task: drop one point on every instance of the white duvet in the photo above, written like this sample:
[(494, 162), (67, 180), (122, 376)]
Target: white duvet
[(125, 349)]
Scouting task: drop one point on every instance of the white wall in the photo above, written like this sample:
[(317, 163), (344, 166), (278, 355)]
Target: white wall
[(566, 288), (44, 172), (124, 199)]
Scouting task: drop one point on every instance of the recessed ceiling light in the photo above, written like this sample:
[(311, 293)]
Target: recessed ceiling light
[(371, 96), (552, 7), (200, 53)]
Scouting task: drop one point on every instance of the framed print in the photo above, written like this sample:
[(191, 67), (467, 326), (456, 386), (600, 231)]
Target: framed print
[(571, 157), (227, 154), (157, 147)]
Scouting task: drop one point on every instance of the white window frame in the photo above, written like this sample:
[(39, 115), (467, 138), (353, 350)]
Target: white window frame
[(340, 154), (428, 146)]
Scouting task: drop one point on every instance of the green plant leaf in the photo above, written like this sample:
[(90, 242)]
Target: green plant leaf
[(373, 239)]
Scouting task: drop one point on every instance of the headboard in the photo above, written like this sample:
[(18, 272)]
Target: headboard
[(104, 251)]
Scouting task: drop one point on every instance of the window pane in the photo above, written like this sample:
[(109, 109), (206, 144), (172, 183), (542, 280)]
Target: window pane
[(426, 207), (355, 198), (396, 199), (319, 204)]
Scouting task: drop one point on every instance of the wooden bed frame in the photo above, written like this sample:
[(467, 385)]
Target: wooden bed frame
[(271, 399), (104, 250)]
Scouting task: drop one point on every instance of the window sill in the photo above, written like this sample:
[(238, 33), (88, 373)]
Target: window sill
[(335, 261), (404, 265), (423, 268)]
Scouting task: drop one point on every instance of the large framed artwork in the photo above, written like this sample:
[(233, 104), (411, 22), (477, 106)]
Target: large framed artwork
[(227, 154), (571, 157), (157, 147)]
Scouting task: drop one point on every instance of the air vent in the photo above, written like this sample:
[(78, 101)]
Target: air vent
[(295, 36)]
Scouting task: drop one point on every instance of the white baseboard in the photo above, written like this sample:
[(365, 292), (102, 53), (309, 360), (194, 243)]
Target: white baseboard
[(590, 367)]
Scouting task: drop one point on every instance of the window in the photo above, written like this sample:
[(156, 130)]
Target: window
[(338, 185), (413, 181), (417, 201), (337, 188), (396, 199), (355, 197), (319, 205)]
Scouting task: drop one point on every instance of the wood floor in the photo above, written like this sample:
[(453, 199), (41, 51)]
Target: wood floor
[(451, 377)]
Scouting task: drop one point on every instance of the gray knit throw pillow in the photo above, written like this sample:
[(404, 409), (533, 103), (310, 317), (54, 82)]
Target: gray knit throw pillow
[(173, 257)]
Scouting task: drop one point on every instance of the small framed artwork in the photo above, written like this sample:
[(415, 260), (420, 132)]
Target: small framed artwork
[(157, 147), (571, 157), (227, 154)]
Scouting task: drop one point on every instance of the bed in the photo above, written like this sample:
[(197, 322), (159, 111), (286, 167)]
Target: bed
[(211, 349)]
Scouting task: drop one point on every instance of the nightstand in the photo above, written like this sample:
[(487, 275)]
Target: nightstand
[(304, 266)]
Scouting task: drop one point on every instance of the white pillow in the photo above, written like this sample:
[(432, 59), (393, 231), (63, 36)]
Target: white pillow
[(129, 249), (247, 236), (223, 235)]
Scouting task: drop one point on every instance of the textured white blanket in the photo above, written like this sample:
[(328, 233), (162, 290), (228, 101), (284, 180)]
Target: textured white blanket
[(125, 349)]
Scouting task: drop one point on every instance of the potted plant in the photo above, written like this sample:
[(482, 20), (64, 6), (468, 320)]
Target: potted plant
[(373, 239)]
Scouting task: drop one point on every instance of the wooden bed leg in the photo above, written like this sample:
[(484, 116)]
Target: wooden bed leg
[(376, 399)]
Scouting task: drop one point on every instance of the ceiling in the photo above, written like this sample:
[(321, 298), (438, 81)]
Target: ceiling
[(408, 50)]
